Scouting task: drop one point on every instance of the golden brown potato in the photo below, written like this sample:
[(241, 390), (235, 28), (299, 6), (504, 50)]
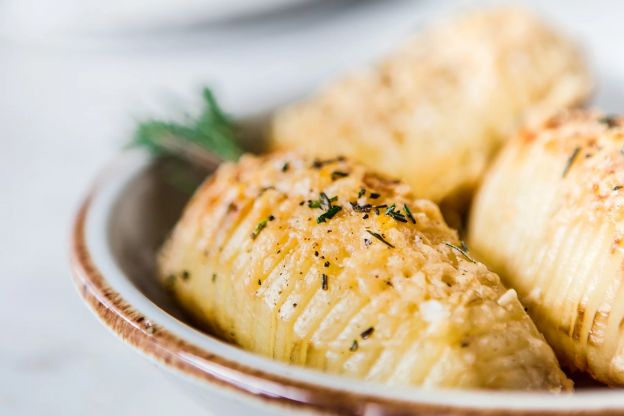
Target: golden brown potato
[(434, 112), (319, 263), (549, 219)]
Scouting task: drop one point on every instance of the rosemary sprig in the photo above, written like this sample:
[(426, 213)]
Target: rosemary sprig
[(205, 140), (461, 250)]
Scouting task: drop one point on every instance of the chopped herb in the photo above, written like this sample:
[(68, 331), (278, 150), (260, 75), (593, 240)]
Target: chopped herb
[(609, 121), (360, 208), (409, 214), (185, 275), (367, 333), (379, 237), (390, 211), (354, 346), (329, 214), (338, 174), (285, 167), (320, 163), (462, 251), (324, 284), (264, 189), (214, 277), (323, 202), (259, 227), (617, 187), (570, 161), (361, 193), (374, 195)]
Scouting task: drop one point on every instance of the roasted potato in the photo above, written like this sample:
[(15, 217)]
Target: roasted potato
[(549, 219), (435, 112), (323, 264)]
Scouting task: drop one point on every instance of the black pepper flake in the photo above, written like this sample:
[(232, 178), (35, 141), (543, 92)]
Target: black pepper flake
[(285, 167), (464, 343), (259, 282), (337, 174), (365, 217), (380, 238), (185, 275), (367, 333), (316, 253), (324, 284), (271, 217), (374, 195), (294, 305), (367, 242), (354, 346), (214, 277), (326, 264), (361, 193), (570, 161), (617, 187), (301, 203)]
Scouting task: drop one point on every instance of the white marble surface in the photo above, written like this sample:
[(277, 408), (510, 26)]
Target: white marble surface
[(68, 105)]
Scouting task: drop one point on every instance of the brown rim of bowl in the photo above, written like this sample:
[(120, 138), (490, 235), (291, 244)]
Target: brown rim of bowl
[(175, 353)]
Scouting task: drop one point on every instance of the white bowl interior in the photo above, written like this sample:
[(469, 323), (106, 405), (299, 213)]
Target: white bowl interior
[(131, 213)]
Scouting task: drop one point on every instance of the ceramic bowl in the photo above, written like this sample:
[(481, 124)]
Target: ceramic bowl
[(116, 234)]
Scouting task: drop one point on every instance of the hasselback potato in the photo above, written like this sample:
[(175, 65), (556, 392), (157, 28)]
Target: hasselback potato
[(320, 263), (434, 112), (549, 219)]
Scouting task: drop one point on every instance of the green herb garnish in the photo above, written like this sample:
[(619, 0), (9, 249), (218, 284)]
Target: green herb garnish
[(380, 238), (390, 211), (203, 140), (609, 121), (338, 174), (462, 251), (259, 227), (329, 214), (361, 192), (570, 161), (409, 214)]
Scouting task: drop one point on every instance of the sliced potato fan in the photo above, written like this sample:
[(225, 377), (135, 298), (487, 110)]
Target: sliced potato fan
[(550, 219), (319, 263), (434, 112)]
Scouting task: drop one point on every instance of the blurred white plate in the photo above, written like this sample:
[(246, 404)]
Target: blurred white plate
[(35, 18)]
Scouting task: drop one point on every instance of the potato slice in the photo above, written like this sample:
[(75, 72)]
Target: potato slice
[(549, 219), (435, 112), (322, 264)]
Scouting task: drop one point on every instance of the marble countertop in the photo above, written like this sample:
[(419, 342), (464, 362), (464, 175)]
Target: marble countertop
[(68, 105)]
